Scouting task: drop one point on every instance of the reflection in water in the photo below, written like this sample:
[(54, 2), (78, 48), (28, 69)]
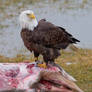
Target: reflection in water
[(74, 15)]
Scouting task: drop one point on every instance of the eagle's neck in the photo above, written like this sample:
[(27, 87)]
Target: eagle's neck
[(30, 25)]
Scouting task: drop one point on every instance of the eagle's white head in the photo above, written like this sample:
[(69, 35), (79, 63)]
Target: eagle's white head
[(28, 20)]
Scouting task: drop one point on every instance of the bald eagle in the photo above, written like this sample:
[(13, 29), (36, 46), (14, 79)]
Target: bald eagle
[(43, 37)]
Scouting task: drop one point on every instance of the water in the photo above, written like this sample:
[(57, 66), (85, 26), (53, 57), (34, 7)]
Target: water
[(74, 15)]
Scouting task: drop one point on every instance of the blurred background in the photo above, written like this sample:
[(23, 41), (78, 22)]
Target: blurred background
[(74, 15)]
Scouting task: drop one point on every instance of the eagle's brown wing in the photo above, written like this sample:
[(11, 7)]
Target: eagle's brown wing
[(52, 36)]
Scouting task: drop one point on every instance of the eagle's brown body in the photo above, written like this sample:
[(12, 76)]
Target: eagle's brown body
[(47, 39)]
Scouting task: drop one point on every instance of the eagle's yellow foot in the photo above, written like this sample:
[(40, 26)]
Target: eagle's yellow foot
[(42, 65)]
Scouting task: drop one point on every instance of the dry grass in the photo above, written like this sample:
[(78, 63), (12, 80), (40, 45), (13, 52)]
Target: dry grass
[(80, 67)]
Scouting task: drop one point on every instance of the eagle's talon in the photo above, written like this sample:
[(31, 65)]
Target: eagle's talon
[(42, 65)]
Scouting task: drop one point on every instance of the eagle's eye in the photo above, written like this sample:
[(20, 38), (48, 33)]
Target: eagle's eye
[(31, 15), (28, 14)]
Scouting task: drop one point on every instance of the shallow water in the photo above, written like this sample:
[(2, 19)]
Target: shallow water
[(74, 15)]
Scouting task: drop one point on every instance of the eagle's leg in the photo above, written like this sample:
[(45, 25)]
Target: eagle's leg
[(43, 64), (36, 55), (39, 64)]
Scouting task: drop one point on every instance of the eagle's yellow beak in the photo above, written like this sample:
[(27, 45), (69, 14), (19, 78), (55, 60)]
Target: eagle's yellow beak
[(32, 16)]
